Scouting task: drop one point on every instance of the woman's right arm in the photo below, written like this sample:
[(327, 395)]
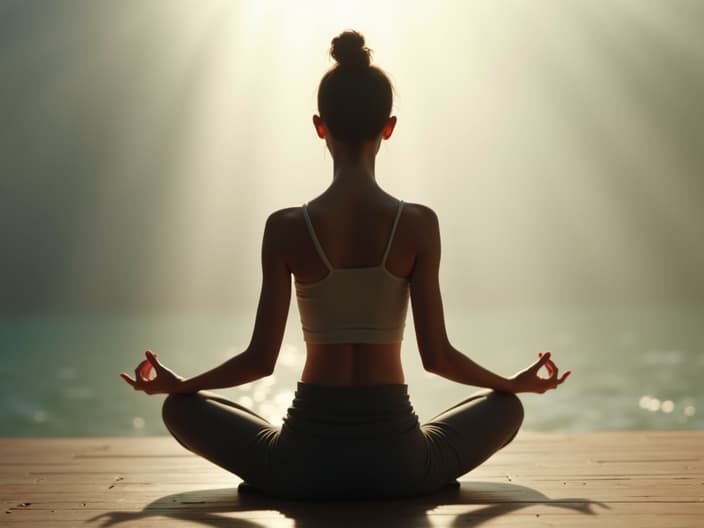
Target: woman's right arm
[(437, 354), (259, 358)]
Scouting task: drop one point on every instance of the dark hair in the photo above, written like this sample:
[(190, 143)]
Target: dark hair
[(354, 97)]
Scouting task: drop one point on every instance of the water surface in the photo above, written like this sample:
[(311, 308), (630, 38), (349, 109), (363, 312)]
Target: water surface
[(633, 368)]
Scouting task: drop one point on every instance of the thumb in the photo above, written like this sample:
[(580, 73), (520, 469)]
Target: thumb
[(151, 356), (544, 358)]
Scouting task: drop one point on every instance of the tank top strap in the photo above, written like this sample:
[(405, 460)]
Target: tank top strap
[(314, 238), (393, 232)]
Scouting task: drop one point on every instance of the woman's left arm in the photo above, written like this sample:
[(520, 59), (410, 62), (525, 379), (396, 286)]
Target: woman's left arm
[(259, 358)]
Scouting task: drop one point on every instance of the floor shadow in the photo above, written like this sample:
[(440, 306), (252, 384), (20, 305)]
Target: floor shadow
[(228, 508)]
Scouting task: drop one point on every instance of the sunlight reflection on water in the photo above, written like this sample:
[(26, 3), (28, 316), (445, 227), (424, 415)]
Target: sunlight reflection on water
[(646, 376)]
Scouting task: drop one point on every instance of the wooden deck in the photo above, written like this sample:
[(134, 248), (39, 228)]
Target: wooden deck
[(542, 479)]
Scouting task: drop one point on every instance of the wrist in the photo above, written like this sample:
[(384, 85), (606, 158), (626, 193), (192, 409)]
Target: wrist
[(185, 386), (508, 385)]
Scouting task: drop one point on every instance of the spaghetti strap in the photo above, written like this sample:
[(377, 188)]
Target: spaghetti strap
[(393, 232), (313, 237)]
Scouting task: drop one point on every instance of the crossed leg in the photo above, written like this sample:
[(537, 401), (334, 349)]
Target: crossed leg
[(465, 435), (239, 440), (222, 431)]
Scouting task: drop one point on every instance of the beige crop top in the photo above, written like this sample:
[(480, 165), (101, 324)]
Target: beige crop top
[(353, 305)]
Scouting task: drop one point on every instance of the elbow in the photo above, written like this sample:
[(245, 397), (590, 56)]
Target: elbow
[(433, 363), (258, 364), (266, 370), (266, 365), (262, 369), (434, 358), (436, 366), (431, 366)]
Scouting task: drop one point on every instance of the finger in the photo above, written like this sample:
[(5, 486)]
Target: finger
[(139, 372), (151, 357), (127, 378), (147, 370), (135, 384), (559, 380), (544, 357), (552, 369), (549, 381)]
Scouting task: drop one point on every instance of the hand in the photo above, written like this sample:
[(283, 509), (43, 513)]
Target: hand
[(164, 380), (529, 380)]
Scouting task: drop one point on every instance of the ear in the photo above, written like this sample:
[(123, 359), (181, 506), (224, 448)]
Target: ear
[(389, 128), (319, 126)]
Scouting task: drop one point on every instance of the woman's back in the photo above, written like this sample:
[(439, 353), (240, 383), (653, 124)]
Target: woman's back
[(354, 235)]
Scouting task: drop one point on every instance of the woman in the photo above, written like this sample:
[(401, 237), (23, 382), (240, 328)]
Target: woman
[(357, 254)]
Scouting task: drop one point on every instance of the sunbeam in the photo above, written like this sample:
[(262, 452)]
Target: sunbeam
[(150, 141)]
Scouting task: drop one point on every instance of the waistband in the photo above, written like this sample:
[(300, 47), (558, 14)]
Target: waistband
[(351, 410)]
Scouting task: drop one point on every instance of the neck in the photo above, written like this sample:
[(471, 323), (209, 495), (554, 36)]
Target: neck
[(353, 172), (354, 167)]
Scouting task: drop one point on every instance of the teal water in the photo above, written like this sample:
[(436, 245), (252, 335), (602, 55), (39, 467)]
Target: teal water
[(634, 367)]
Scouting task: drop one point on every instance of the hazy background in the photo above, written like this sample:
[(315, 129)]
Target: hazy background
[(143, 144)]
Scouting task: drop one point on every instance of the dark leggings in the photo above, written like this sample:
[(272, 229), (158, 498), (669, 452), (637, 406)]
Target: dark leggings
[(345, 442)]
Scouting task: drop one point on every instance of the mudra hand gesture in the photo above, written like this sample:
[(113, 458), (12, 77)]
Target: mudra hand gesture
[(152, 377), (530, 380)]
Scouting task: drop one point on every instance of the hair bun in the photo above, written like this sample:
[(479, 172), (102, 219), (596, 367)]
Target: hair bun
[(348, 50)]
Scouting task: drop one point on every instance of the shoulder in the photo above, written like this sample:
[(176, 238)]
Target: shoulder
[(422, 225), (281, 221), (285, 215), (280, 226), (420, 217)]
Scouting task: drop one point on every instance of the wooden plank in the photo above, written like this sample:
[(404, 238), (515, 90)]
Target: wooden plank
[(343, 514), (482, 492), (586, 479)]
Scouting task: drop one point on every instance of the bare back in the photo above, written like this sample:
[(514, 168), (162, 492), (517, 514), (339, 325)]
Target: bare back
[(353, 235)]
